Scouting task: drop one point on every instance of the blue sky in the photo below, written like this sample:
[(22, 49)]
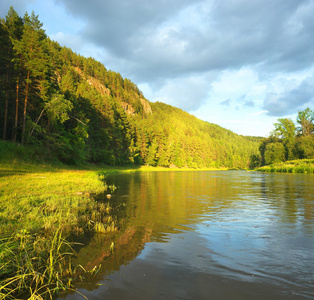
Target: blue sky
[(241, 64)]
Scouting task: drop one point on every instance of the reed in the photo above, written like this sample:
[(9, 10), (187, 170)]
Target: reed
[(36, 267), (105, 228), (39, 206)]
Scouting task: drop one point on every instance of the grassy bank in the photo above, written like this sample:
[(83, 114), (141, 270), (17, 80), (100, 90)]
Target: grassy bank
[(42, 204), (292, 166), (45, 200)]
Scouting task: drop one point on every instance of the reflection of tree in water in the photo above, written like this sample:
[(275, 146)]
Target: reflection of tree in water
[(112, 249), (146, 206), (99, 252), (150, 206), (156, 203), (292, 193)]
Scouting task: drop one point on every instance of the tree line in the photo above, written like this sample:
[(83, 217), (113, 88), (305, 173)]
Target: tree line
[(72, 109), (289, 140)]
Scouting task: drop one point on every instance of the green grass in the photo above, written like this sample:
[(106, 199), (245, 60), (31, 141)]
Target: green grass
[(37, 267), (36, 203), (41, 202), (292, 166), (46, 200)]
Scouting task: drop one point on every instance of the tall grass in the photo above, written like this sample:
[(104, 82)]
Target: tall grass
[(293, 166), (36, 267), (39, 206)]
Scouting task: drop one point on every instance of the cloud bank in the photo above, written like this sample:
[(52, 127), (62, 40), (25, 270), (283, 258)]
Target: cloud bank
[(245, 55), (158, 39)]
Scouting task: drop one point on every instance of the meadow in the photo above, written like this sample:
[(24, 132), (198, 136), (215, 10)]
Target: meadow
[(43, 208)]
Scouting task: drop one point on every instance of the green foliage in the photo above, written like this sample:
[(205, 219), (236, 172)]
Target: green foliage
[(293, 166), (275, 152), (77, 111), (305, 120), (58, 108), (284, 138), (255, 161), (304, 146), (284, 129)]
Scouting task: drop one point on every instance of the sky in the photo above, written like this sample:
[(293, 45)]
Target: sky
[(241, 64)]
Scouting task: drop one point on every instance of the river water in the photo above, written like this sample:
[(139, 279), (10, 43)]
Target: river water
[(205, 235)]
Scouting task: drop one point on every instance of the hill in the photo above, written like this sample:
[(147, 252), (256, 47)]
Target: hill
[(75, 110)]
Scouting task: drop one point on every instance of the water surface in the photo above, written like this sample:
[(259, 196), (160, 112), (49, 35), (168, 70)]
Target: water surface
[(205, 235)]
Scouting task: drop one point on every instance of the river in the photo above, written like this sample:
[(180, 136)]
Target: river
[(204, 235)]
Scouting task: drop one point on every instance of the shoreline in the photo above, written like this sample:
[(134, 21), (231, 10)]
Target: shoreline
[(42, 204), (304, 166)]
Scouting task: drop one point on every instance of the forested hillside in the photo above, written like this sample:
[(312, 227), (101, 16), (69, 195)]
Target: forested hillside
[(75, 110)]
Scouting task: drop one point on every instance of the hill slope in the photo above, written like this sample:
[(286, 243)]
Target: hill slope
[(76, 110)]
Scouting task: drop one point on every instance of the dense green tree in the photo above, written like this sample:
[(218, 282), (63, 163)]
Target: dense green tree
[(10, 30), (5, 70), (275, 152), (32, 54), (286, 130), (305, 120), (255, 161), (304, 146), (284, 134)]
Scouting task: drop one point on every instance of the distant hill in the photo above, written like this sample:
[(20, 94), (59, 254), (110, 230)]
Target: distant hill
[(76, 110)]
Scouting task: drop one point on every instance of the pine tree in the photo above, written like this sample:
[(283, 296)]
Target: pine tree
[(11, 31), (32, 53)]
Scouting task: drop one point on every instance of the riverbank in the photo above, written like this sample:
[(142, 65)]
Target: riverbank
[(44, 197), (292, 166), (38, 197), (42, 205)]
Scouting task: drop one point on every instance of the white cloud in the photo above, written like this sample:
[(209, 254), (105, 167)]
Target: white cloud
[(69, 40), (188, 93), (257, 56), (259, 113)]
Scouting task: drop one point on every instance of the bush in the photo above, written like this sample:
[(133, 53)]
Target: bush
[(275, 153)]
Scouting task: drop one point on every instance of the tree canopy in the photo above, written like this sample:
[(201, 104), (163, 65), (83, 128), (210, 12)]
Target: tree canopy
[(289, 141), (75, 110)]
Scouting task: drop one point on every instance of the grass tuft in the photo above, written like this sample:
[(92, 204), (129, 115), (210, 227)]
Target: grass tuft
[(36, 267)]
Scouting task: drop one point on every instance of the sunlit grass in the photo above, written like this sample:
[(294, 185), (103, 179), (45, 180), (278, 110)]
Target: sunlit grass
[(44, 200), (39, 205), (36, 267), (145, 168), (292, 166)]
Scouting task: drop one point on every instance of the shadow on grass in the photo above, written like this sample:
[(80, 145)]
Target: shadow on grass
[(5, 173)]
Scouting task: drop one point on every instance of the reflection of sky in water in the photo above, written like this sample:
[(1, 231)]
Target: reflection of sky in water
[(250, 239), (227, 235)]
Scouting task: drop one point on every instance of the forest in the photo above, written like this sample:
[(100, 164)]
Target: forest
[(72, 109), (289, 140)]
